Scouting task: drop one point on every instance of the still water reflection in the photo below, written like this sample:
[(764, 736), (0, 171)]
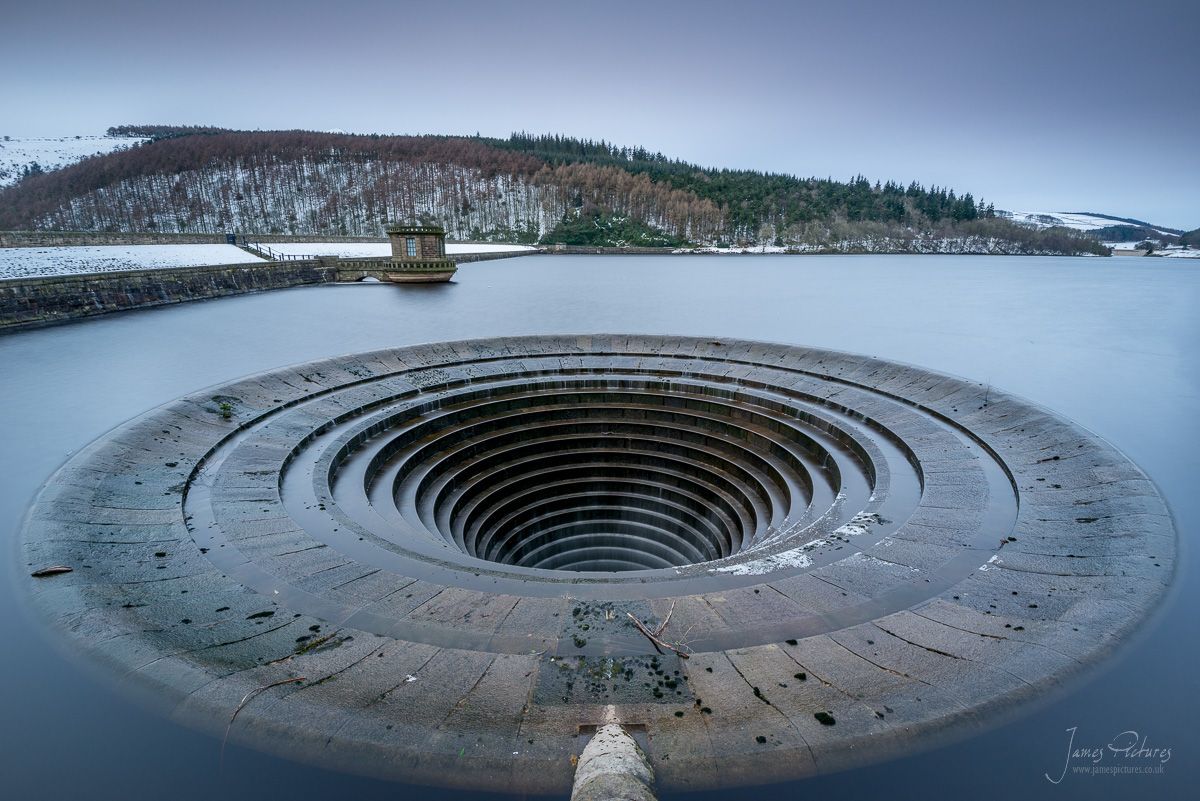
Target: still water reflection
[(1110, 343)]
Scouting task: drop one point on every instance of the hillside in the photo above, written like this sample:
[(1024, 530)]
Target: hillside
[(521, 189), (1101, 227), (20, 156)]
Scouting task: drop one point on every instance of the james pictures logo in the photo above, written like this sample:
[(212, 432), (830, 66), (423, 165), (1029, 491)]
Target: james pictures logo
[(1128, 753)]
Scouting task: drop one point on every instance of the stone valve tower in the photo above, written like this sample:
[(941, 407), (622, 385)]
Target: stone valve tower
[(418, 254)]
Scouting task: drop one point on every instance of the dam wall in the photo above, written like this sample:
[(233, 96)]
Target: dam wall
[(31, 302), (34, 302)]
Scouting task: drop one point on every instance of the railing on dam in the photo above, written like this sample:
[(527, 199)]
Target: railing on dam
[(269, 253)]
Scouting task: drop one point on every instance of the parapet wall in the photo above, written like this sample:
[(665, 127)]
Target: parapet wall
[(30, 302), (590, 250), (465, 258), (41, 239)]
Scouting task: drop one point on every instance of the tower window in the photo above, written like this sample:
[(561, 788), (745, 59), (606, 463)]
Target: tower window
[(411, 244)]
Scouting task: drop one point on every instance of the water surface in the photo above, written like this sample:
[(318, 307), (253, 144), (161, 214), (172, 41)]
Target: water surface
[(1110, 343)]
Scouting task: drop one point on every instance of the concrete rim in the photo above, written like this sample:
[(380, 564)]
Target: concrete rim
[(1031, 549)]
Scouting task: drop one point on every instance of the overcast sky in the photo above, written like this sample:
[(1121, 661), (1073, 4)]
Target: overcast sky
[(1053, 105)]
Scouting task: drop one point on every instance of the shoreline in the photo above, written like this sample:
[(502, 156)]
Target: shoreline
[(10, 240)]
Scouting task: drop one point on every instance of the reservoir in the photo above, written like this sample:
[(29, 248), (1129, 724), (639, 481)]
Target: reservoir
[(1109, 343)]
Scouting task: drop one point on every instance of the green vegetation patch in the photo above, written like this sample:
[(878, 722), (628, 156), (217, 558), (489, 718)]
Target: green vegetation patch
[(597, 228)]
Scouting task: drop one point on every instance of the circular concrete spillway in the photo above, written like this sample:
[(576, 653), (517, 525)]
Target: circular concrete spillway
[(425, 563)]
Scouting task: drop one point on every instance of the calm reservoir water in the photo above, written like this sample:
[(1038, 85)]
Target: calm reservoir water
[(1111, 343)]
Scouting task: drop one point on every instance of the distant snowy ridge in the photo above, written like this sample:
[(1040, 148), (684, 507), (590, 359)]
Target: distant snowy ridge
[(1077, 221), (17, 154)]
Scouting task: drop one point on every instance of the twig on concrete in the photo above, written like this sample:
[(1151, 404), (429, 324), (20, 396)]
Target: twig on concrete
[(685, 640), (658, 643), (663, 626), (53, 570), (247, 699)]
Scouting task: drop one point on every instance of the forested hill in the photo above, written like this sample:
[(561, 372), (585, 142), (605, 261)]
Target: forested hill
[(525, 188)]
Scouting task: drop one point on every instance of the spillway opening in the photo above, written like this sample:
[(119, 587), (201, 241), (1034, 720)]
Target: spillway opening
[(600, 474)]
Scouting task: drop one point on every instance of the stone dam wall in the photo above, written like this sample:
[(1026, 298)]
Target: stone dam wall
[(33, 302), (466, 258), (590, 250)]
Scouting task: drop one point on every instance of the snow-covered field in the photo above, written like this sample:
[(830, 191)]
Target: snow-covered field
[(374, 249), (50, 154), (30, 262), (1047, 219)]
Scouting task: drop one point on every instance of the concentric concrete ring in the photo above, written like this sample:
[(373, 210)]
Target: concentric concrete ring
[(442, 546)]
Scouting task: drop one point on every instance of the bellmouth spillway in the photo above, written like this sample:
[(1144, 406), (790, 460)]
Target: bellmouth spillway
[(430, 559)]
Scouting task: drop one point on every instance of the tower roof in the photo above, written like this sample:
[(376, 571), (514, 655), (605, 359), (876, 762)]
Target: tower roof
[(414, 228)]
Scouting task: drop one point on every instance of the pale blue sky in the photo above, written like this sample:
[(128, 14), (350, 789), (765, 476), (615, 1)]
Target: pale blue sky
[(1051, 106)]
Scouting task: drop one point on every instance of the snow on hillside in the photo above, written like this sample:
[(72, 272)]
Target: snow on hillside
[(971, 245), (30, 262), (1175, 252), (365, 250), (1169, 251), (50, 154), (1080, 222)]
